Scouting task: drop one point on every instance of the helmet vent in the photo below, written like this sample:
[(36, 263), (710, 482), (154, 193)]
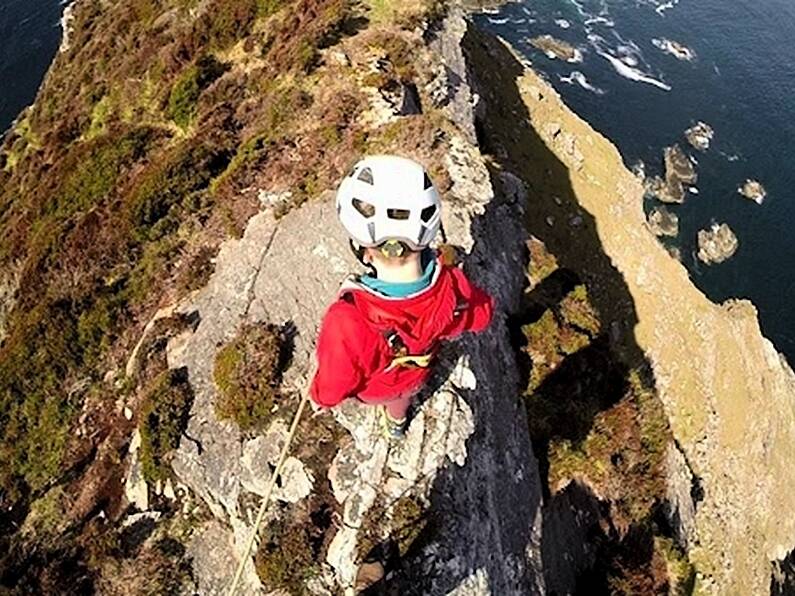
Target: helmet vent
[(366, 209), (366, 175), (427, 182), (428, 213), (398, 214)]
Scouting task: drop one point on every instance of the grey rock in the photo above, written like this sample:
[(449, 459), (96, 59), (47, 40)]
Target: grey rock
[(700, 135), (716, 244), (662, 222), (753, 191), (465, 443)]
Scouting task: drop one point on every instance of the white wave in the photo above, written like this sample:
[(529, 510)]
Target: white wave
[(675, 49), (597, 20), (578, 78), (497, 21), (562, 23), (632, 74), (583, 13), (661, 8)]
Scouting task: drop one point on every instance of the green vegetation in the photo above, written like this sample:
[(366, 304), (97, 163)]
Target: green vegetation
[(681, 573), (95, 169), (164, 416), (188, 87), (392, 531), (187, 168), (288, 555), (247, 373)]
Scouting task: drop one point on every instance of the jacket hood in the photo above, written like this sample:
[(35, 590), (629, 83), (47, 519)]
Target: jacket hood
[(419, 318)]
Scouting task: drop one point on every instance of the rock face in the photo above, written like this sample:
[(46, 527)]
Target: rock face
[(728, 395), (462, 506), (717, 244), (465, 443)]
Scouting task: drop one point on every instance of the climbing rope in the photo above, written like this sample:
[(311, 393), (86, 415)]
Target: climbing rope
[(266, 497)]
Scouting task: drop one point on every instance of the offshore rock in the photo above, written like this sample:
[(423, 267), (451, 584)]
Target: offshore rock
[(663, 223), (700, 136), (679, 173), (717, 244), (664, 192), (678, 166), (753, 190), (556, 48)]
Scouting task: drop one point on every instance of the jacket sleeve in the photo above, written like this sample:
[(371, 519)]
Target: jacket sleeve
[(475, 309), (339, 374)]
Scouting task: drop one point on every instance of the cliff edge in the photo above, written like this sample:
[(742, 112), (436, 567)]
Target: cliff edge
[(170, 248)]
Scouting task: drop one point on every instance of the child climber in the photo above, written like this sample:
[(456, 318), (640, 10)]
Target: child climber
[(378, 339)]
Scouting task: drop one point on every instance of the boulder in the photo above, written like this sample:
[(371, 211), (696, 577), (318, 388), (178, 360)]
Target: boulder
[(716, 244)]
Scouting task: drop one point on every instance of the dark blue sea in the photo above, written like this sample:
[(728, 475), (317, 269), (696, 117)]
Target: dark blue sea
[(741, 82), (30, 33)]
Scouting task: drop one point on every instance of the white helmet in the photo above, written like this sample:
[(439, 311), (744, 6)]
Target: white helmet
[(385, 197)]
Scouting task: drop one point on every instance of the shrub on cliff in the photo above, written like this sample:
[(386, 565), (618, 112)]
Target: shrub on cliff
[(164, 417), (188, 87), (247, 373)]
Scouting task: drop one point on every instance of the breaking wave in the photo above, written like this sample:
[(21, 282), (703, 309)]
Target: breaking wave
[(577, 78)]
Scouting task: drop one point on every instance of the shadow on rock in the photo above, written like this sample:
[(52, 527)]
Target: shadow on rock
[(595, 421)]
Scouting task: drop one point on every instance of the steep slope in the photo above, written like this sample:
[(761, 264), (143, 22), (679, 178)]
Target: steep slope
[(728, 397), (170, 247)]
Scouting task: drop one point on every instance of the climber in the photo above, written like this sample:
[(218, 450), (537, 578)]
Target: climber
[(378, 339)]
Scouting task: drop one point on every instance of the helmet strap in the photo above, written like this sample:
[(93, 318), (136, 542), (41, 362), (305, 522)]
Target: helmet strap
[(358, 252)]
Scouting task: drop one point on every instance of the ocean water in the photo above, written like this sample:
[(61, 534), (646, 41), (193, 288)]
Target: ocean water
[(30, 33), (741, 82)]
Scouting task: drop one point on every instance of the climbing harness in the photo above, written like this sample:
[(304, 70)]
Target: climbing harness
[(400, 353), (266, 497)]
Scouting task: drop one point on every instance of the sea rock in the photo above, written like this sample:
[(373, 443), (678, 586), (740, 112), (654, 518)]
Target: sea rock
[(716, 244), (556, 48), (679, 173), (700, 136), (662, 222), (753, 190), (678, 166), (663, 191)]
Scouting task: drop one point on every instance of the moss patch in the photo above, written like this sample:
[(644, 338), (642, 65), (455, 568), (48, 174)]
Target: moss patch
[(287, 556), (164, 416), (247, 373)]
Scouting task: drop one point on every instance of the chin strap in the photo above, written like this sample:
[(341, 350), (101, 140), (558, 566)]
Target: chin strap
[(393, 248)]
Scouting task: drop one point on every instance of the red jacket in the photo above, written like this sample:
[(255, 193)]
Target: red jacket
[(353, 348)]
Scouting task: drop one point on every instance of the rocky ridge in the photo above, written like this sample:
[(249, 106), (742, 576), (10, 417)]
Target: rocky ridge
[(464, 506)]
